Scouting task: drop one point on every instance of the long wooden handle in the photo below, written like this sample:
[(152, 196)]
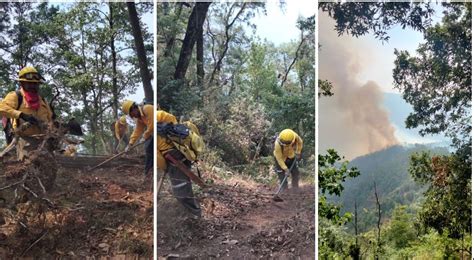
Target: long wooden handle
[(186, 171), (115, 156), (286, 177), (160, 183)]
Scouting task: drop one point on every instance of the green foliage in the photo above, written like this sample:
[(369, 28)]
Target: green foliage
[(389, 169), (331, 176), (401, 231), (447, 205), (241, 101), (434, 246), (358, 19), (324, 88), (437, 81), (332, 241)]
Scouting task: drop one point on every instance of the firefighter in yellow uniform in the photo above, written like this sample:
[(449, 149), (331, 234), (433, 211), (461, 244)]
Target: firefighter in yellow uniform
[(287, 149), (26, 105), (120, 129), (70, 150), (143, 116), (181, 184)]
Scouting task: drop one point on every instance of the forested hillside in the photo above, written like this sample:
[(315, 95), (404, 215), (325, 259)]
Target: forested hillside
[(389, 170)]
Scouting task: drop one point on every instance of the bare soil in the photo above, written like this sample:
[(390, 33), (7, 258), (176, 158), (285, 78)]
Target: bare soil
[(241, 221)]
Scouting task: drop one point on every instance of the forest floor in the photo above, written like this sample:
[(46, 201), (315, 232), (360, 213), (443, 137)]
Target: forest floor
[(107, 212), (240, 221)]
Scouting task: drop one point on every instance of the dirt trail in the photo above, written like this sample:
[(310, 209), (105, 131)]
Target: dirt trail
[(239, 222), (107, 212)]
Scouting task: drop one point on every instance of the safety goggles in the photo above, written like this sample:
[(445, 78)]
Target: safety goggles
[(32, 76), (284, 142)]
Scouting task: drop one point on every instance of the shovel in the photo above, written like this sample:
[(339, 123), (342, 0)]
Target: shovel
[(276, 197)]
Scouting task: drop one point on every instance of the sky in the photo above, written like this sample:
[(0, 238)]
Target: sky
[(279, 26)]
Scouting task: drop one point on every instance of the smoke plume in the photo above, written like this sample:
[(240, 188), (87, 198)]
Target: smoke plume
[(353, 120)]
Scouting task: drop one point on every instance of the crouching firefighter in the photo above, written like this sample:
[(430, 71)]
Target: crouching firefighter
[(23, 106), (178, 146), (287, 149), (120, 130), (143, 116)]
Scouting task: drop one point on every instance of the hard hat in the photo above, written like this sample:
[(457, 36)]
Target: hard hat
[(159, 115), (126, 106), (286, 136), (123, 120), (29, 74)]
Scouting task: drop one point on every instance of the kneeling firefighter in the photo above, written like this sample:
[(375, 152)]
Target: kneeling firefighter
[(287, 149), (173, 149)]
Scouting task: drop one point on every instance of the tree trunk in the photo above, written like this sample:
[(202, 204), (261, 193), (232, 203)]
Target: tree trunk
[(170, 41), (285, 77), (379, 219), (140, 49), (195, 22), (228, 38), (115, 105), (200, 58)]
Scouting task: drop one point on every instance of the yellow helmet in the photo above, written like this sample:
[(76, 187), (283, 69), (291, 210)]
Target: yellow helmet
[(286, 136), (123, 120), (29, 74), (126, 105), (165, 117)]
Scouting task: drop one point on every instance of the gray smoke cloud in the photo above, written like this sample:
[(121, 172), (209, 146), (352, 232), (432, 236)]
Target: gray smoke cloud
[(352, 121)]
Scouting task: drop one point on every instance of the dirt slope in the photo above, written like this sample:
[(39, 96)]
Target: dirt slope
[(240, 222), (107, 212)]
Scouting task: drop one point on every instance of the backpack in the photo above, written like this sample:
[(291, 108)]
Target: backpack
[(7, 123), (273, 139), (184, 137)]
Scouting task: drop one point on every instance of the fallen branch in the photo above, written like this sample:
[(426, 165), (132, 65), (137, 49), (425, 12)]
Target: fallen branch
[(11, 185), (34, 243)]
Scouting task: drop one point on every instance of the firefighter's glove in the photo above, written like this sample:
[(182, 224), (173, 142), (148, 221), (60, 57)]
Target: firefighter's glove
[(29, 118), (299, 157)]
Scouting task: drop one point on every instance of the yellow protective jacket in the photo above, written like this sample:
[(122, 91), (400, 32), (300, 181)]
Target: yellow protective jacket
[(120, 130), (144, 124), (8, 109), (162, 145), (282, 153), (70, 150)]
